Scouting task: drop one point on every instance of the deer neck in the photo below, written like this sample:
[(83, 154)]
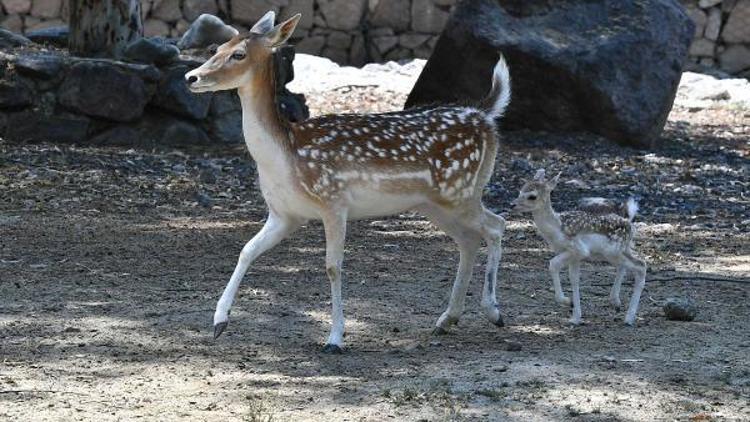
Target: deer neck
[(265, 136), (549, 225)]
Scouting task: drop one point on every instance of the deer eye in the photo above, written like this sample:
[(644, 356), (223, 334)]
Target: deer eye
[(531, 197), (238, 55), (212, 49)]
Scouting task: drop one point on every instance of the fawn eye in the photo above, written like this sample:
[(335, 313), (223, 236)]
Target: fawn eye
[(238, 55), (531, 197)]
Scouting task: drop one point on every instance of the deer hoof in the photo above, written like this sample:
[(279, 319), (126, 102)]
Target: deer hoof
[(219, 328), (439, 331), (332, 349), (499, 321)]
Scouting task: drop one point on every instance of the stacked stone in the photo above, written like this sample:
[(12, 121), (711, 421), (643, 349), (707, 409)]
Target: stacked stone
[(29, 15), (722, 34), (346, 31)]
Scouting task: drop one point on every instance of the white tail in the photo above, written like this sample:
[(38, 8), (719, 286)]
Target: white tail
[(499, 98), (631, 205), (435, 160)]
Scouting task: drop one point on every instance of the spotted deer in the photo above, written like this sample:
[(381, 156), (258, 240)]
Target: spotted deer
[(335, 168), (600, 229)]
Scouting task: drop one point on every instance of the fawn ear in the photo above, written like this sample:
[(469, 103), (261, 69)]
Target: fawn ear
[(281, 32), (264, 24), (552, 183), (539, 176)]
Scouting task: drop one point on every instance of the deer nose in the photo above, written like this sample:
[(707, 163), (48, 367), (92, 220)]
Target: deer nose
[(191, 79)]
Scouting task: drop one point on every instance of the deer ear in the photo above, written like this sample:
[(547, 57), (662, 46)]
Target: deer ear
[(552, 183), (539, 176), (281, 32), (264, 24)]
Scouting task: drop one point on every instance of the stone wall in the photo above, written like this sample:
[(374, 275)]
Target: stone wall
[(722, 35), (347, 31)]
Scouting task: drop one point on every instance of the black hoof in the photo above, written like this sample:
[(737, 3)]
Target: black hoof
[(219, 328), (499, 322), (439, 331), (332, 349)]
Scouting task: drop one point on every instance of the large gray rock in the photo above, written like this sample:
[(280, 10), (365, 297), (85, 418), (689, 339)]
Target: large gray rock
[(173, 95), (15, 93), (394, 14), (102, 89), (55, 35), (43, 65), (572, 68), (27, 126), (194, 8), (737, 28), (151, 50), (10, 39), (206, 30)]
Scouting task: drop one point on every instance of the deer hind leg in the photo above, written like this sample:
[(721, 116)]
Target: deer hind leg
[(614, 294), (556, 265), (638, 266), (335, 230), (493, 227), (468, 237), (274, 231)]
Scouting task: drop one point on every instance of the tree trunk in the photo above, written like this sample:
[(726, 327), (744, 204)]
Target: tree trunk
[(102, 28)]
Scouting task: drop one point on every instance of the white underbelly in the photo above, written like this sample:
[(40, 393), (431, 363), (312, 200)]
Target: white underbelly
[(364, 203)]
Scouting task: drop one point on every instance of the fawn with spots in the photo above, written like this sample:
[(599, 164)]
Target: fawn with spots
[(433, 160), (600, 230)]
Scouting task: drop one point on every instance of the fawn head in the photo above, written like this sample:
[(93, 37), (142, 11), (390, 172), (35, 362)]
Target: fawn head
[(237, 61), (535, 194)]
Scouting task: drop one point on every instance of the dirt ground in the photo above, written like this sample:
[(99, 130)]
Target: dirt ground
[(112, 259)]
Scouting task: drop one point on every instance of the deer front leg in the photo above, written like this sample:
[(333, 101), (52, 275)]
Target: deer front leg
[(555, 266), (614, 294), (493, 227), (273, 232), (335, 229), (574, 272)]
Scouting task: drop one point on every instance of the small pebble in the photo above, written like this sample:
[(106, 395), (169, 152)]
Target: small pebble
[(680, 309)]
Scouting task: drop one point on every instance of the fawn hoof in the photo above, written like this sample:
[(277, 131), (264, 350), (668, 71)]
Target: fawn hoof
[(439, 331), (575, 321), (332, 349), (499, 321), (219, 328), (630, 322), (564, 302)]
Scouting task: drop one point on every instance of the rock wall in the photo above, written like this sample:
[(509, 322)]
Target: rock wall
[(346, 31), (49, 96), (722, 35)]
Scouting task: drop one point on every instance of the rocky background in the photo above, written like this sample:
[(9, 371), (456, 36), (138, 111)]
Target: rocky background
[(346, 31), (722, 35)]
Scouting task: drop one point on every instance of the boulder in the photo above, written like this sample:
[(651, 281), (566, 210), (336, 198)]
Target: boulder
[(47, 9), (183, 133), (194, 8), (10, 39), (36, 127), (151, 50), (206, 30), (42, 65), (15, 93), (226, 128), (102, 89), (572, 68), (167, 10), (56, 35), (735, 59), (248, 12), (173, 95), (305, 7)]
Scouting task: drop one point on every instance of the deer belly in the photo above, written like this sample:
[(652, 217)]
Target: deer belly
[(364, 203)]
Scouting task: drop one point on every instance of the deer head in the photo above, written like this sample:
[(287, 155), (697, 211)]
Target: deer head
[(535, 194), (239, 60)]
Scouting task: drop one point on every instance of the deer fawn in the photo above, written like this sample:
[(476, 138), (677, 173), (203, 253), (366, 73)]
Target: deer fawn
[(434, 160), (600, 230)]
